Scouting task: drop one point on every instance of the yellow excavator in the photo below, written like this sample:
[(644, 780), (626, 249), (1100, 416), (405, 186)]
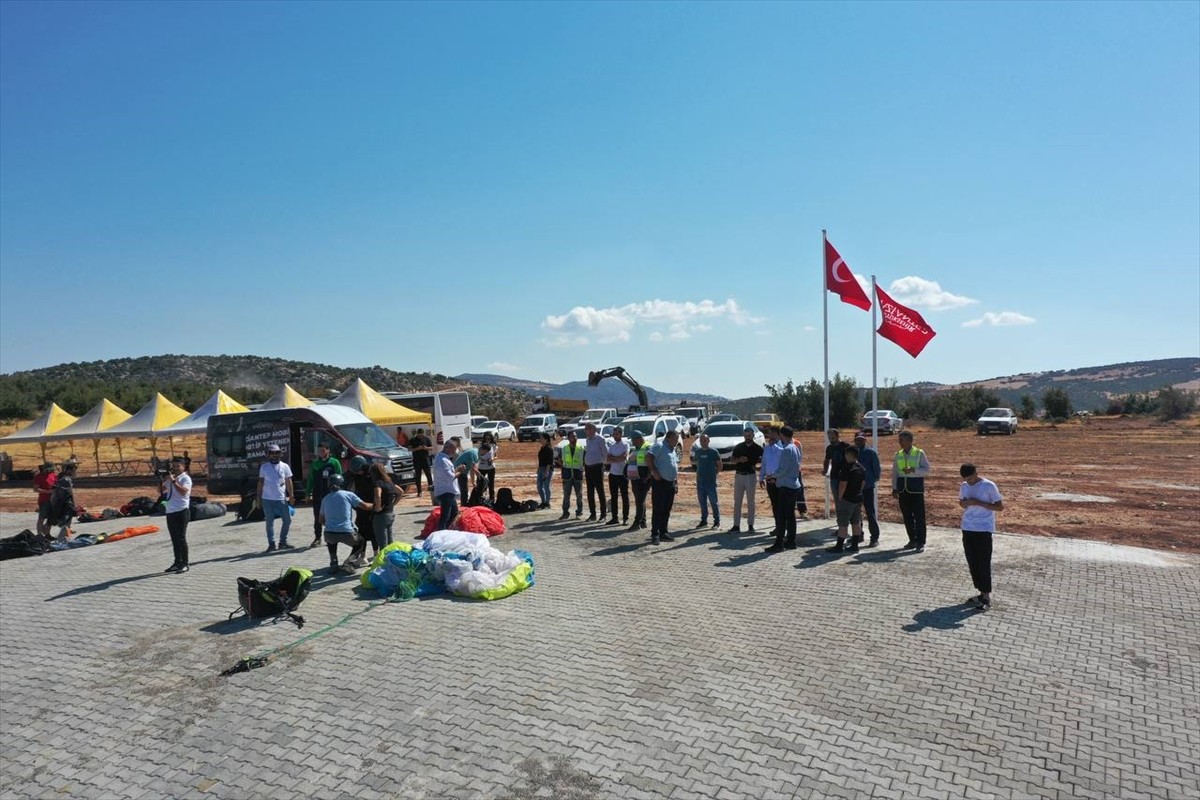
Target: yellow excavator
[(594, 378)]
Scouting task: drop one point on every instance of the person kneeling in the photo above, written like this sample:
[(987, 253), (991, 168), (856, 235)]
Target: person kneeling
[(337, 521)]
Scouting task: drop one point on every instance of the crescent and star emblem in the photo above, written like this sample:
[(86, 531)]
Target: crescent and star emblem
[(836, 266)]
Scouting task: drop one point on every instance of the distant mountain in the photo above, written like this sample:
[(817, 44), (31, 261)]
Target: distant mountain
[(610, 393)]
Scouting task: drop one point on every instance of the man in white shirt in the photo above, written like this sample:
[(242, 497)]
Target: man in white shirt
[(178, 488), (275, 494), (980, 500), (445, 483), (618, 483)]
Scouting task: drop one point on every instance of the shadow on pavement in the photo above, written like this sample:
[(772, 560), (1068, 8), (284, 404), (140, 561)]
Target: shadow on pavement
[(946, 618), (876, 556), (100, 587), (637, 544)]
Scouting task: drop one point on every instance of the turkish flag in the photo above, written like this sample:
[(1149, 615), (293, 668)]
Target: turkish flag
[(902, 325), (841, 282)]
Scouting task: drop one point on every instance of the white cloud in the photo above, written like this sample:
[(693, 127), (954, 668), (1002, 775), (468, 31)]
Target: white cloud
[(999, 320), (913, 291), (503, 366), (809, 328), (667, 319)]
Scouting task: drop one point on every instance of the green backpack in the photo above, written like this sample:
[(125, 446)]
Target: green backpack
[(278, 598)]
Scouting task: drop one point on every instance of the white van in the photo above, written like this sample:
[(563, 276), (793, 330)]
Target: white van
[(533, 426)]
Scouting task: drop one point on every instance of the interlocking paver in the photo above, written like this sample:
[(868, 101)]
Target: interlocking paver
[(699, 669)]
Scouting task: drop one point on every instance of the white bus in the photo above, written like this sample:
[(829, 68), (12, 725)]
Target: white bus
[(451, 412)]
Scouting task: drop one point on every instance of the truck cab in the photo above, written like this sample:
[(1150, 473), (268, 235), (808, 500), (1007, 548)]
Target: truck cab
[(237, 445), (599, 416), (696, 416)]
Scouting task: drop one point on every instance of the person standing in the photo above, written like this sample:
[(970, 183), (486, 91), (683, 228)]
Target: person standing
[(383, 509), (980, 500), (177, 486), (421, 447), (835, 461), (362, 485), (786, 479), (618, 482), (335, 518), (570, 457), (664, 472), (770, 463), (323, 467), (487, 466), (909, 471), (745, 458), (872, 471), (445, 483), (801, 503), (43, 484), (545, 471), (62, 500), (638, 472), (275, 494), (849, 502), (708, 465), (595, 458)]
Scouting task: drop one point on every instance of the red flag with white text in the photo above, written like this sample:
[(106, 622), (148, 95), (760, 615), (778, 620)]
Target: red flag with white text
[(902, 325), (840, 281)]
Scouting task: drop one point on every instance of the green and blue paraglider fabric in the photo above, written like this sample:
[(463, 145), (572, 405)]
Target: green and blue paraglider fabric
[(454, 562)]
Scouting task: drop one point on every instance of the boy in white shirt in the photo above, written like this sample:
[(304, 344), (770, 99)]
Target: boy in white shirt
[(980, 500)]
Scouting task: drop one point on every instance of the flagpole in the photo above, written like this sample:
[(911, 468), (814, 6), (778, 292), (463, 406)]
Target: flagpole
[(825, 302), (874, 371)]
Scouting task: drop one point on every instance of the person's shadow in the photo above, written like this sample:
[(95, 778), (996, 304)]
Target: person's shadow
[(946, 618)]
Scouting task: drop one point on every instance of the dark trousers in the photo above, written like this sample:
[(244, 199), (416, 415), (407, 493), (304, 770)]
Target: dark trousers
[(448, 503), (641, 487), (618, 484), (364, 520), (801, 503), (786, 521), (177, 522), (870, 513), (489, 477), (912, 508), (316, 504), (418, 469), (463, 490), (593, 476), (572, 481), (977, 545), (662, 495), (773, 496)]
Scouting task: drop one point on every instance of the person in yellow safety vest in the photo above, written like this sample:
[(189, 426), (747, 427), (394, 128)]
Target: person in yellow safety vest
[(639, 478), (570, 458), (908, 486)]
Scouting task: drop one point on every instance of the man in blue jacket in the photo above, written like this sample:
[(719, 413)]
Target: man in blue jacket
[(870, 464)]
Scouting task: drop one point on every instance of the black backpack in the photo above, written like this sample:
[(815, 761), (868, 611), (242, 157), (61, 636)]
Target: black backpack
[(506, 503), (25, 543), (278, 598)]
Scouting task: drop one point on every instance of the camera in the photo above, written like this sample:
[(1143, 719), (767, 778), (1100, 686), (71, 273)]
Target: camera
[(162, 472)]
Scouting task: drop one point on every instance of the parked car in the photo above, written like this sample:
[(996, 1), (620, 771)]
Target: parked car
[(653, 427), (570, 425), (696, 416), (997, 420), (533, 426), (476, 420), (889, 421), (501, 431), (725, 436), (723, 417), (764, 419)]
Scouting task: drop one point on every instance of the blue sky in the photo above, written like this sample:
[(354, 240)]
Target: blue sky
[(544, 189)]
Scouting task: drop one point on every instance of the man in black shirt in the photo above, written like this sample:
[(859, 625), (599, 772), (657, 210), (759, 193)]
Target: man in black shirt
[(422, 451), (849, 501), (835, 462), (745, 458)]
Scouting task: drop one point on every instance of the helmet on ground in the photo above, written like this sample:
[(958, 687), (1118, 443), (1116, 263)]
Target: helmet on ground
[(358, 464), (336, 481)]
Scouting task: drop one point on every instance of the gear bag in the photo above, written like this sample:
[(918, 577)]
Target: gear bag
[(277, 598)]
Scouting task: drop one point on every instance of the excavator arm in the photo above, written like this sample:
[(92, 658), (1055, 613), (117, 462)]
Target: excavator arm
[(620, 374)]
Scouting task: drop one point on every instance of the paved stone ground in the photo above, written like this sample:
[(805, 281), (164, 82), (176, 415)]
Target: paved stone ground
[(699, 669)]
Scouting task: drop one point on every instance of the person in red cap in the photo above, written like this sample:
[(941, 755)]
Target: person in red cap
[(43, 484)]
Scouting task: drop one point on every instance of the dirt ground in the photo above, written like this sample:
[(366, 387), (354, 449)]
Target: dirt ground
[(1121, 480)]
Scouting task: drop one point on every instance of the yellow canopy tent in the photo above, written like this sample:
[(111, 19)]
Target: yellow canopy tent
[(101, 417), (149, 422), (53, 420), (196, 423), (378, 408), (286, 397)]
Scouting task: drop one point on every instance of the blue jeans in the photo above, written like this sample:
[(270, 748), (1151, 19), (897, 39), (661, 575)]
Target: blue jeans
[(707, 495), (448, 503), (544, 476), (273, 509)]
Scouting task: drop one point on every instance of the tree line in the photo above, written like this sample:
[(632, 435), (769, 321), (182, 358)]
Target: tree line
[(802, 405)]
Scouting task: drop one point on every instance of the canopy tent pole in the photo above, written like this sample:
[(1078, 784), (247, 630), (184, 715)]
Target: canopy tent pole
[(121, 456), (96, 451)]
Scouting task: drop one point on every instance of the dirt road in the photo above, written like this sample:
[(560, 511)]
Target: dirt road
[(1130, 481)]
